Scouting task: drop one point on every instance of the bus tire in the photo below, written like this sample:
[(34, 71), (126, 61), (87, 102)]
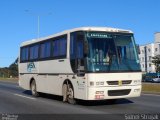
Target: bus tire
[(34, 89), (70, 95), (64, 92)]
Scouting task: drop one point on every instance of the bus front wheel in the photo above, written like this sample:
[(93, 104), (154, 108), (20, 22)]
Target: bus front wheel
[(64, 92), (34, 89), (68, 94)]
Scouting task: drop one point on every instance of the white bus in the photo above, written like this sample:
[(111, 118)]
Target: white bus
[(88, 63)]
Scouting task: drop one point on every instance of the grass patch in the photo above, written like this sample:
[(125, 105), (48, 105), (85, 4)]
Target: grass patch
[(9, 79), (151, 87)]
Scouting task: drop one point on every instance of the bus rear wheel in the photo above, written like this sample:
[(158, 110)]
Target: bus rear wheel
[(34, 89)]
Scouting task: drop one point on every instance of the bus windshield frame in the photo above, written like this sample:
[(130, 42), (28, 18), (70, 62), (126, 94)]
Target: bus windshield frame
[(111, 52)]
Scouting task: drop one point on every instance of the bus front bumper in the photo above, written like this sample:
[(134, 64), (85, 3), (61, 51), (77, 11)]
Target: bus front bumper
[(102, 93)]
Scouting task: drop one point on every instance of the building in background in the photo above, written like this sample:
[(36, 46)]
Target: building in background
[(147, 52)]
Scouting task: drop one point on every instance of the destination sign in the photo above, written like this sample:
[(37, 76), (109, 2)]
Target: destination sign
[(99, 35)]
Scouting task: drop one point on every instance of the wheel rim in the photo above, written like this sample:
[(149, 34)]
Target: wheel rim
[(33, 89), (70, 93)]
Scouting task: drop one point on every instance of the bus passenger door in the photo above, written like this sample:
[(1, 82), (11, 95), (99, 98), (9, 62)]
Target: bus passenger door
[(77, 64), (77, 53), (80, 56)]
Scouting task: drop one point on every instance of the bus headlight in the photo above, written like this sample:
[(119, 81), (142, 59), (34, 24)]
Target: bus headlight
[(137, 81), (99, 83)]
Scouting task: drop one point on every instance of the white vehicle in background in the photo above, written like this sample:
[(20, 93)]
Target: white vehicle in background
[(156, 79), (152, 77), (88, 63)]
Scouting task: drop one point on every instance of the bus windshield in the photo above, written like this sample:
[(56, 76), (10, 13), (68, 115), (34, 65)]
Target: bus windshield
[(109, 52)]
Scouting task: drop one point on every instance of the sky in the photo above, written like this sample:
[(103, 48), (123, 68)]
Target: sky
[(19, 20)]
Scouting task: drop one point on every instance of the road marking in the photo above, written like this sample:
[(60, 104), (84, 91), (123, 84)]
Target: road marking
[(25, 96), (150, 94)]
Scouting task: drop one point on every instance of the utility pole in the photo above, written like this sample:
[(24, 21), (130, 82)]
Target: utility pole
[(38, 26), (38, 21)]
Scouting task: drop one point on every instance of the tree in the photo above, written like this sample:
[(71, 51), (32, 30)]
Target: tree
[(13, 68), (156, 62)]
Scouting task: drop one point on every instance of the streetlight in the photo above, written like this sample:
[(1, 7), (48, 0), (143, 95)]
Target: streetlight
[(38, 21)]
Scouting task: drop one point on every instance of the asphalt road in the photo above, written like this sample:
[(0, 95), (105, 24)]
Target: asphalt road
[(15, 100)]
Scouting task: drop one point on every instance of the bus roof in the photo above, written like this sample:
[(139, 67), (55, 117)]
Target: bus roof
[(102, 29)]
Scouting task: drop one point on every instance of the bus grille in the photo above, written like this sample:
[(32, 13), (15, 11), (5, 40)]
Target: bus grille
[(118, 92), (124, 82)]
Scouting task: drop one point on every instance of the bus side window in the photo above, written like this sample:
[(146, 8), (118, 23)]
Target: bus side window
[(45, 50), (24, 54), (34, 52), (60, 47)]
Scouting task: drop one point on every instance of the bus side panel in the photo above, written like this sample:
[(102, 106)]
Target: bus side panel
[(53, 85), (79, 86), (24, 82), (54, 67), (27, 72), (50, 84), (23, 77), (52, 75)]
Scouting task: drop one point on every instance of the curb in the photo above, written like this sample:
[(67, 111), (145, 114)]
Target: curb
[(11, 81), (151, 93)]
